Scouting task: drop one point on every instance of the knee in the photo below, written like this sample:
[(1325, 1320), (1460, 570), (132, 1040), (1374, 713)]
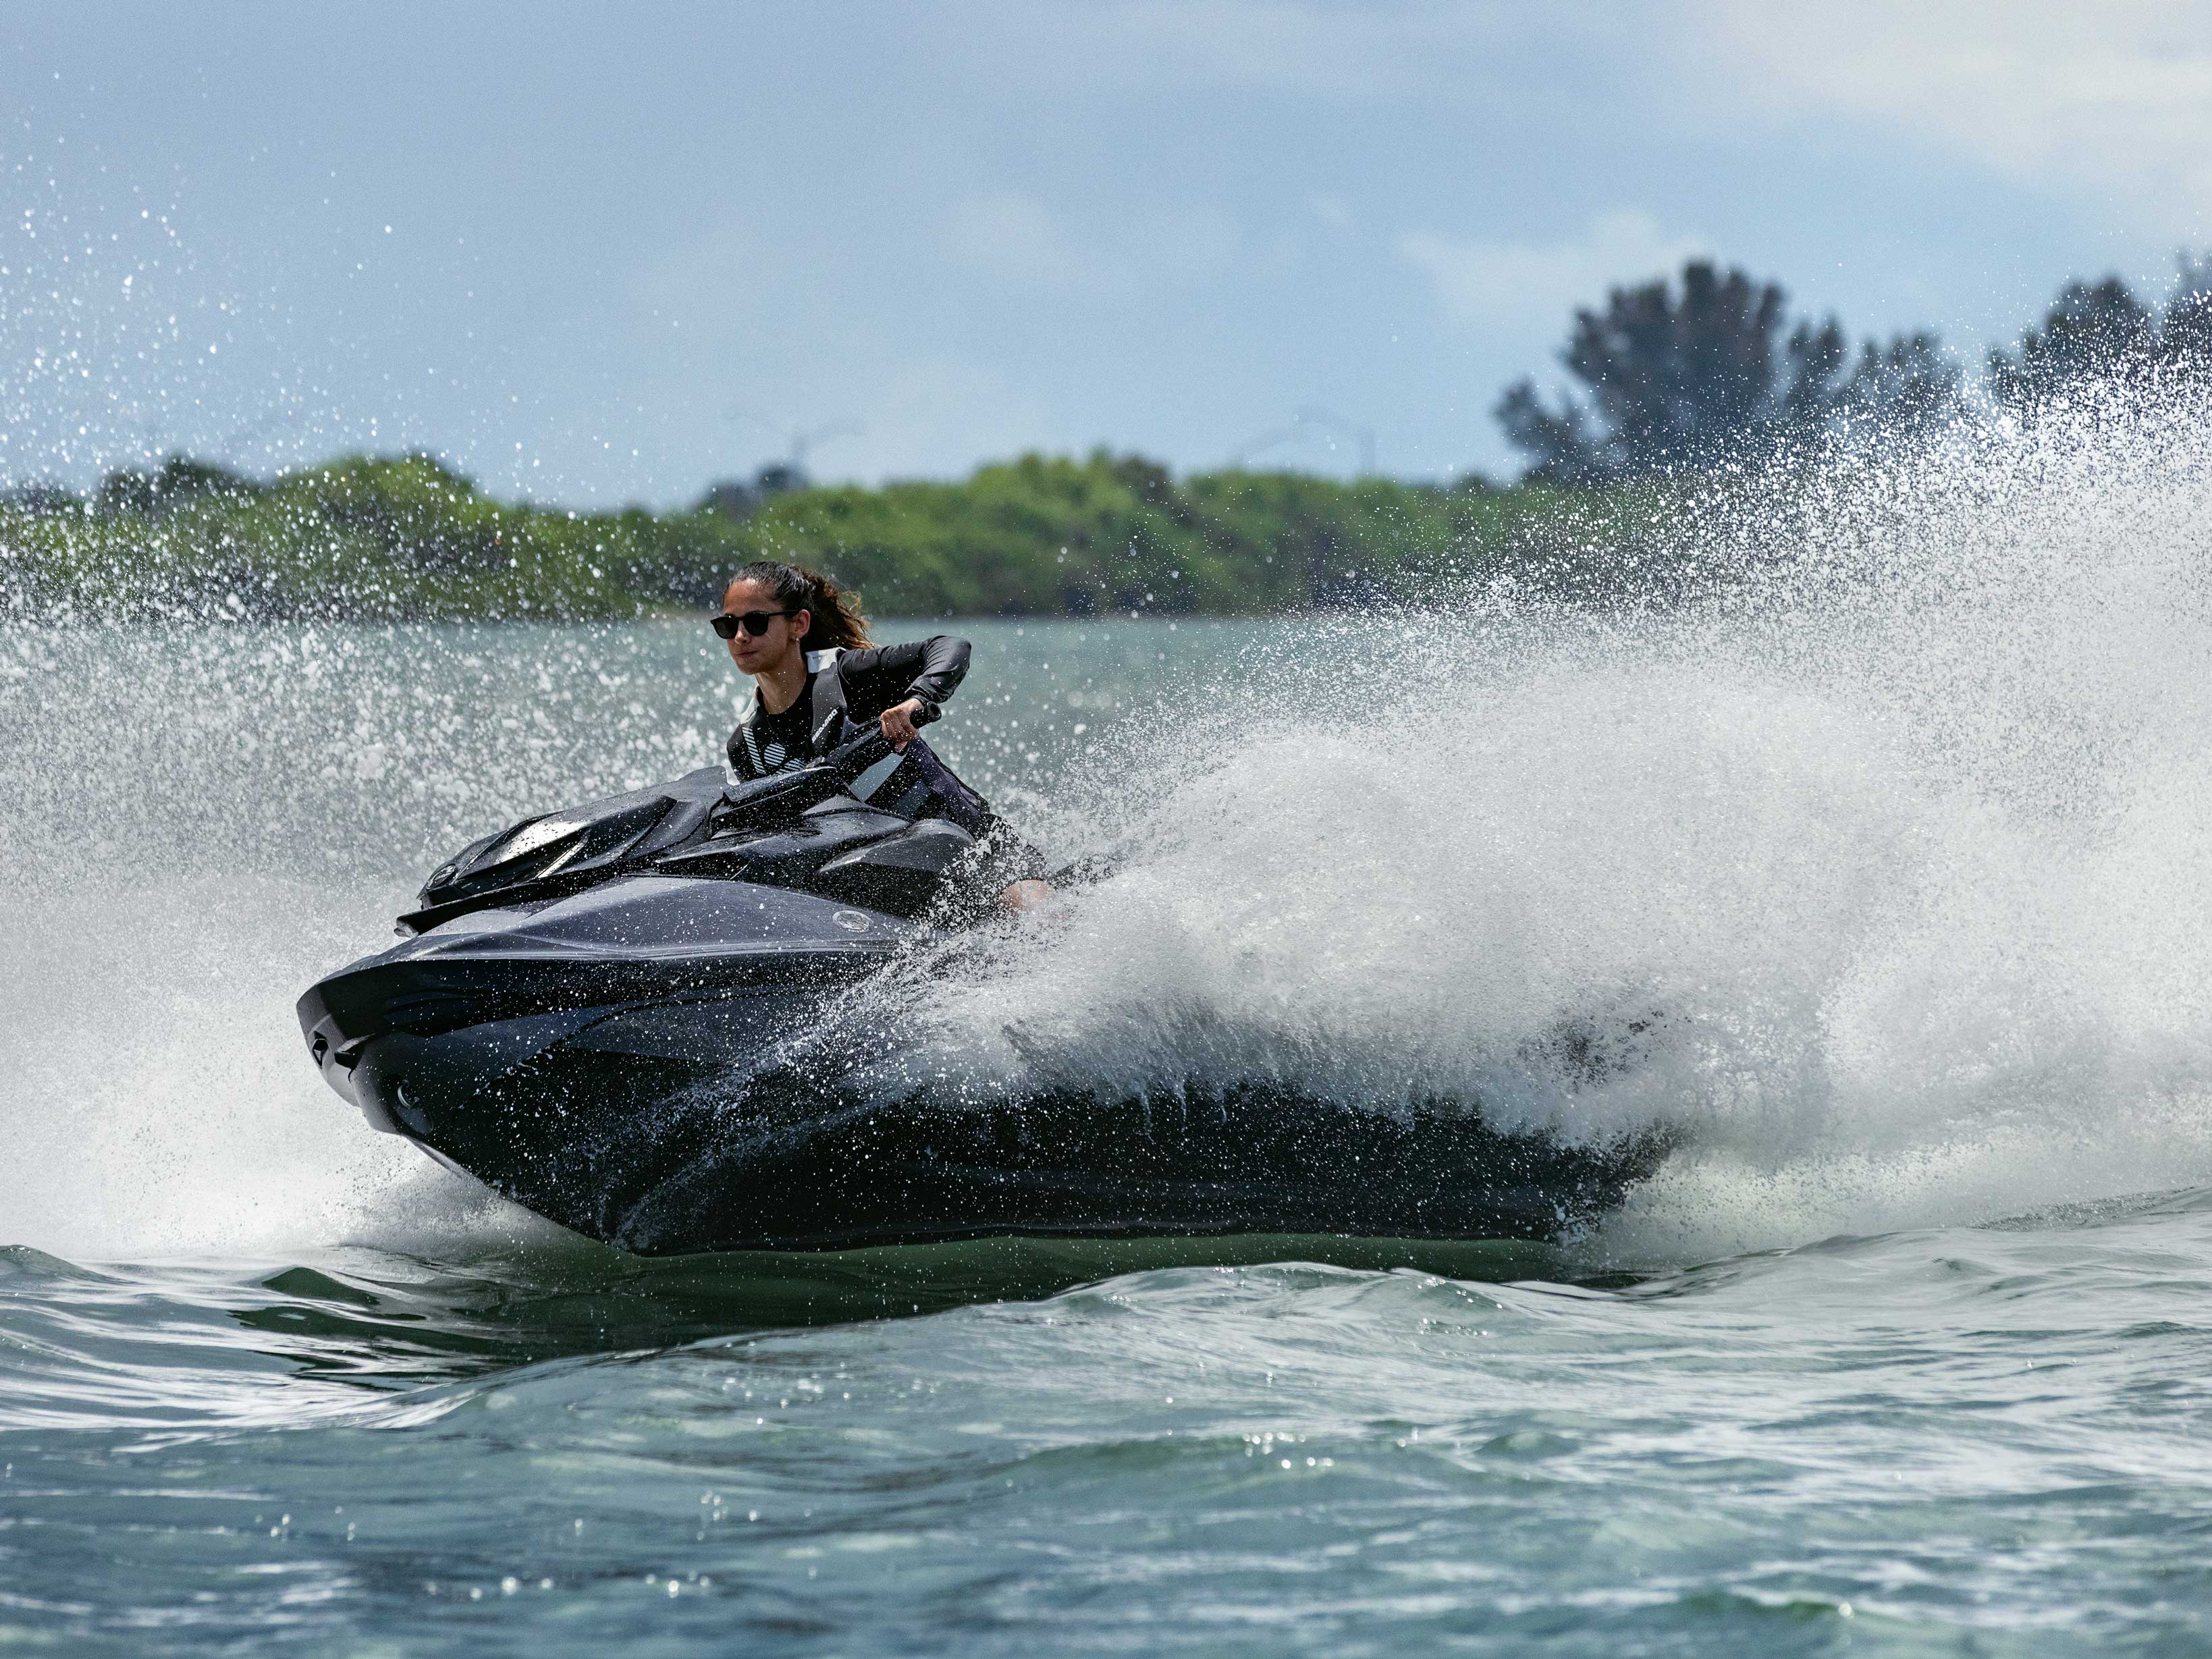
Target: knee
[(1025, 895)]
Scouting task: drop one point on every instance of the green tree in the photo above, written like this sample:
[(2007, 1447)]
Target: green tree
[(2093, 331), (1689, 376), (2185, 332), (176, 480)]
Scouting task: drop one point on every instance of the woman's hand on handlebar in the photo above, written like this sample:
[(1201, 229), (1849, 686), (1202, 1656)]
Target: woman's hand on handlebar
[(898, 723)]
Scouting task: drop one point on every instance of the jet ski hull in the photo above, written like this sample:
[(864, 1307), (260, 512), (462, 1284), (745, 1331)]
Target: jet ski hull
[(650, 1155), (671, 1100), (675, 1065)]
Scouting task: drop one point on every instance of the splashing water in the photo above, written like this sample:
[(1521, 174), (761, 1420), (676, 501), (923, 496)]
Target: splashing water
[(1870, 865), (1888, 856), (1873, 862)]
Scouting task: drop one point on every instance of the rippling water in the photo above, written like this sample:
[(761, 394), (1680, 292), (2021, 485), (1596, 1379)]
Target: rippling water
[(1987, 1441), (1900, 861)]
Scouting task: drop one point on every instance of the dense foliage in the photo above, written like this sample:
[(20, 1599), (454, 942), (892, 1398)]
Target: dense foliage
[(2101, 329), (1713, 370), (404, 537)]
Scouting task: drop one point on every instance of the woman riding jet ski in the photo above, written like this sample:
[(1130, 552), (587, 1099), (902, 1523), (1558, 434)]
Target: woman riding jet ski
[(669, 1019), (814, 668)]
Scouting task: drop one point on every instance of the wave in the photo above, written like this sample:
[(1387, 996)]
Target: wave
[(1891, 846)]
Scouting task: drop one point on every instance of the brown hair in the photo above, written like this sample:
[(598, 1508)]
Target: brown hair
[(834, 618)]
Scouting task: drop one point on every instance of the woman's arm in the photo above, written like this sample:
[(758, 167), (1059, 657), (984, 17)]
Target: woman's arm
[(883, 676)]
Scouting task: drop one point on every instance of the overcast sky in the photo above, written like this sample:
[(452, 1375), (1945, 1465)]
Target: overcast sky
[(608, 253)]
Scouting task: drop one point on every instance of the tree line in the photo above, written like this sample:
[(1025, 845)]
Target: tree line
[(1675, 377), (407, 538)]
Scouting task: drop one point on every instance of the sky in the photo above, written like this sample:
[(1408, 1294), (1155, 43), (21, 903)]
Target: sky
[(598, 255)]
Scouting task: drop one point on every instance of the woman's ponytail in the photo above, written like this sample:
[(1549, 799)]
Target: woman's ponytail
[(833, 618)]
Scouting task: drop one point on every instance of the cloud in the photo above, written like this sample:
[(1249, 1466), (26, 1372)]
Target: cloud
[(1324, 49), (1513, 284), (1016, 239), (2111, 101)]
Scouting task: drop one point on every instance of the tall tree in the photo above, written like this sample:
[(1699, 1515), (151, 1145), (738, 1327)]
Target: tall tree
[(1693, 376), (2185, 335), (2093, 331), (1900, 387)]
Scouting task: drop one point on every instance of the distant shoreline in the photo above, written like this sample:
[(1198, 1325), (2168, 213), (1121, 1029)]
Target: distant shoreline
[(393, 539)]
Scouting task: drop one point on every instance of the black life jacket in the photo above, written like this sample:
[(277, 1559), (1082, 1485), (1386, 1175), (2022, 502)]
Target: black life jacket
[(914, 785)]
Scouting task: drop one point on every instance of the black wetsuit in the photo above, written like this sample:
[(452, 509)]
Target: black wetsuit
[(872, 680)]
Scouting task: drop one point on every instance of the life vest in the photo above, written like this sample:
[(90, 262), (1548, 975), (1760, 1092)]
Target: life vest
[(827, 690), (914, 785)]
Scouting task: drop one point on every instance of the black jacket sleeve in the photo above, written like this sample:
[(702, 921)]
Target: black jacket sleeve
[(880, 676)]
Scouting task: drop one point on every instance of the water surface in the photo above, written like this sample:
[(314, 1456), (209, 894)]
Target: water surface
[(1903, 1351)]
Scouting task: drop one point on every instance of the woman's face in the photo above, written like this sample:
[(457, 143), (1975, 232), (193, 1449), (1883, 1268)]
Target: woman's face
[(757, 654)]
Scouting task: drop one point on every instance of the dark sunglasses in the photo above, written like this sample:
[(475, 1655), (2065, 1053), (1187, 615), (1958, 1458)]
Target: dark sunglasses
[(755, 623)]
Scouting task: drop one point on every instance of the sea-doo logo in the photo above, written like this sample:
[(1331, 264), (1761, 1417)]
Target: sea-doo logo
[(853, 922)]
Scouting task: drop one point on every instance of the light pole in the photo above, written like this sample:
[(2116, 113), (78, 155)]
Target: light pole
[(803, 440), (1268, 440)]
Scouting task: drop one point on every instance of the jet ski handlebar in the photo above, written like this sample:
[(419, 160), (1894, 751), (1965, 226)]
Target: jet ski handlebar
[(802, 786), (857, 754)]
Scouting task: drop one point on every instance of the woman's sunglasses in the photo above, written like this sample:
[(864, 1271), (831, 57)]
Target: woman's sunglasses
[(755, 623)]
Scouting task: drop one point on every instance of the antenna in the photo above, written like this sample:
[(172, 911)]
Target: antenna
[(801, 441)]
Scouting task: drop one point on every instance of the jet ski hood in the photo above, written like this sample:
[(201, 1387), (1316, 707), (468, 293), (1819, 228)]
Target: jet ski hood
[(687, 888), (635, 939), (564, 851)]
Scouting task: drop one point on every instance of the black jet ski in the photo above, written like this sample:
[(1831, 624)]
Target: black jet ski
[(649, 1019)]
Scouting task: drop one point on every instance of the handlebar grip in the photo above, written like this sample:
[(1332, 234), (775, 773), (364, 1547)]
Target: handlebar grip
[(859, 754), (870, 739)]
